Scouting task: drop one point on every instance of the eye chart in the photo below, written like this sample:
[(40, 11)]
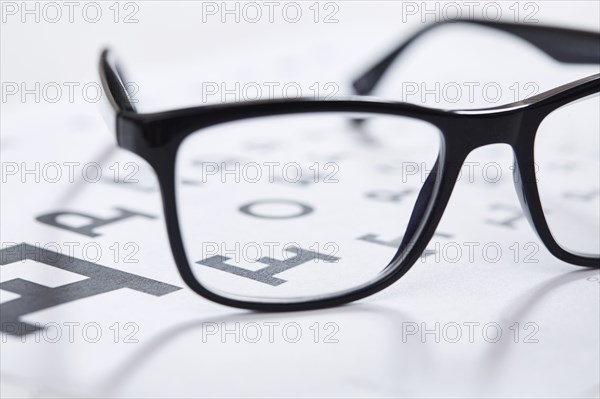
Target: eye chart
[(92, 304)]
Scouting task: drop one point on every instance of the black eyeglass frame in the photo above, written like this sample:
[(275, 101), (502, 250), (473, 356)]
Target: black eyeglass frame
[(156, 138)]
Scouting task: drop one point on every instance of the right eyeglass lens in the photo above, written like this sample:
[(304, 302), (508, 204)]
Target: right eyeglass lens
[(567, 156)]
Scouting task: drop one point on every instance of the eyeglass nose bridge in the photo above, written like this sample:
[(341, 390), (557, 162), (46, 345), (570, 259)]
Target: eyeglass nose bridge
[(478, 128)]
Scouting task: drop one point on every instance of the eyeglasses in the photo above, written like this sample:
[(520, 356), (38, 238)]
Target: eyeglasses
[(263, 199)]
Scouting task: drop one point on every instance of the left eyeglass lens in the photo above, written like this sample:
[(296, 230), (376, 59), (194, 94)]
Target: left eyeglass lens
[(299, 207)]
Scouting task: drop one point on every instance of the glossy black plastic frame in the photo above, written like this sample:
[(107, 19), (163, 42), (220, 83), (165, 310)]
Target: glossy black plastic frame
[(156, 138)]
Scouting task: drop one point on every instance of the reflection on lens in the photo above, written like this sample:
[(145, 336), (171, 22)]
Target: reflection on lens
[(567, 156), (292, 208)]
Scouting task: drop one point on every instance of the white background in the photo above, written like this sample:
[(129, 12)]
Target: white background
[(169, 53)]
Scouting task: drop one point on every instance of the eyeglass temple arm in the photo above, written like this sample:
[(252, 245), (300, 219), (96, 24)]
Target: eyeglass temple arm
[(115, 82), (564, 45)]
